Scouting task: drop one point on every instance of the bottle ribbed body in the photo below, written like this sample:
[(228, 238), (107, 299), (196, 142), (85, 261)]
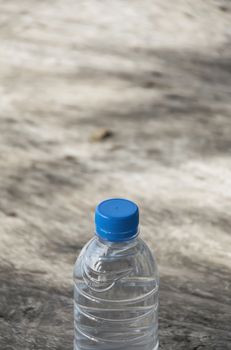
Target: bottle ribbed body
[(116, 297)]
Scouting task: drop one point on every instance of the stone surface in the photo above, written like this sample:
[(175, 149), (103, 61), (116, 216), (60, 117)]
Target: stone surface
[(157, 74)]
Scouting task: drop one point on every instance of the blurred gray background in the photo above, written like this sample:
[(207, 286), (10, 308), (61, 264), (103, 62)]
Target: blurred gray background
[(115, 98)]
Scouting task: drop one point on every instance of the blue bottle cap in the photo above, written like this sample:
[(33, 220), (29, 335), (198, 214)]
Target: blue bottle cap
[(117, 220)]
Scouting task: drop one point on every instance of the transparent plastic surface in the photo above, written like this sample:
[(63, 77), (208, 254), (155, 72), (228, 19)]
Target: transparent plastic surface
[(116, 297)]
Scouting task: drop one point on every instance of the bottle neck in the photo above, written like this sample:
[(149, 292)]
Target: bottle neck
[(129, 242)]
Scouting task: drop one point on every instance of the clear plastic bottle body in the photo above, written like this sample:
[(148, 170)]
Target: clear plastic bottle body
[(116, 297)]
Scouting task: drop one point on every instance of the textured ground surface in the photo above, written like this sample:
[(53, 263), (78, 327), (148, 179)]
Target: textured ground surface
[(156, 74)]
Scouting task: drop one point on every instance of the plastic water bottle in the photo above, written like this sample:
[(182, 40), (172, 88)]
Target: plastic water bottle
[(116, 284)]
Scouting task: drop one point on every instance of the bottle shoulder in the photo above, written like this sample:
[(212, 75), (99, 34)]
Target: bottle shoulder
[(103, 257)]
